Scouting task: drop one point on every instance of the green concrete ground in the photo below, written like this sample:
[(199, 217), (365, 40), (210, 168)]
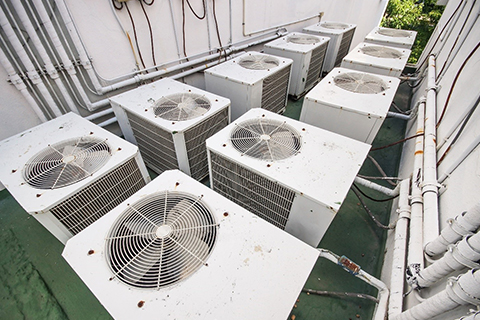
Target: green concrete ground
[(36, 283)]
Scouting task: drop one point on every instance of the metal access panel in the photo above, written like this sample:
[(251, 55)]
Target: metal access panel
[(340, 34), (249, 259), (301, 187), (307, 52), (262, 84), (403, 39), (378, 59), (350, 103)]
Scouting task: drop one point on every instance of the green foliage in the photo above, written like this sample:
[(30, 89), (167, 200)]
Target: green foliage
[(421, 16)]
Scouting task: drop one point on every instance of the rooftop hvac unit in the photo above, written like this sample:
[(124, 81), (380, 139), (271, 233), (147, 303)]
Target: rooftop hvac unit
[(252, 80), (340, 34), (403, 39), (179, 250), (289, 173), (383, 60), (307, 52), (170, 121), (351, 103), (69, 172)]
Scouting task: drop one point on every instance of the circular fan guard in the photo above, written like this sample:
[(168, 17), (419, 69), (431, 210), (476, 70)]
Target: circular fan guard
[(334, 25), (181, 106), (303, 39), (360, 82), (66, 162), (266, 139), (382, 52), (258, 62), (394, 33), (160, 240)]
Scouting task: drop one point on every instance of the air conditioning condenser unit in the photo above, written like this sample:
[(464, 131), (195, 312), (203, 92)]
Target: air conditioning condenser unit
[(403, 39)]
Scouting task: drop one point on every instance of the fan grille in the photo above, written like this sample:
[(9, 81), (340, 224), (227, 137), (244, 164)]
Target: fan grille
[(360, 83), (382, 52), (303, 39), (66, 162), (334, 25), (394, 33), (258, 62), (181, 106), (266, 139), (161, 240)]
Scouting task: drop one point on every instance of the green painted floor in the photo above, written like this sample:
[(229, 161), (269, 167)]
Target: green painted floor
[(36, 283)]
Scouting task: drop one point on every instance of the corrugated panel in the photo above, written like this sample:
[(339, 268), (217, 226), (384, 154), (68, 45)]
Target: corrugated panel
[(195, 142), (262, 196), (344, 46), (315, 66), (155, 144), (86, 206), (275, 90)]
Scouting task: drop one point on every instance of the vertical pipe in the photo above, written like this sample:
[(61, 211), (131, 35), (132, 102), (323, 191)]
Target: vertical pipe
[(31, 71), (430, 184), (415, 243), (397, 278), (43, 54), (174, 23)]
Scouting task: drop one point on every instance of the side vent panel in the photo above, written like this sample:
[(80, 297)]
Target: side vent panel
[(344, 46), (315, 66), (94, 201), (275, 90), (261, 196), (155, 144), (195, 142)]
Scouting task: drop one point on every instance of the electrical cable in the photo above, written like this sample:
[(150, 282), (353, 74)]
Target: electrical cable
[(455, 82), (378, 223), (394, 105), (341, 294), (148, 4), (151, 32), (397, 142), (373, 199), (195, 14), (120, 3), (462, 127), (135, 35), (218, 31), (183, 29), (378, 178), (380, 169)]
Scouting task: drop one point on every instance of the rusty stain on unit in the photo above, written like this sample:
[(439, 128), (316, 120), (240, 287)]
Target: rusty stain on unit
[(38, 195), (14, 170), (225, 214), (141, 303), (119, 149), (352, 266), (268, 165), (90, 252)]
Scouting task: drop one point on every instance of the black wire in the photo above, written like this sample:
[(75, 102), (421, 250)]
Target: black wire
[(378, 223), (118, 8), (135, 35), (373, 199), (148, 4), (195, 14), (151, 33), (397, 142), (216, 27), (183, 29)]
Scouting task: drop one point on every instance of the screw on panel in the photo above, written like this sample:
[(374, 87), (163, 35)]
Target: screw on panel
[(90, 252), (225, 214), (141, 303)]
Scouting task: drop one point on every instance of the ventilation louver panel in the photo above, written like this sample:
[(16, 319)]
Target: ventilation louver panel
[(275, 91), (161, 240), (181, 106), (360, 83), (381, 52), (195, 142), (155, 144), (344, 46), (393, 33), (315, 65), (263, 197), (85, 207), (67, 162)]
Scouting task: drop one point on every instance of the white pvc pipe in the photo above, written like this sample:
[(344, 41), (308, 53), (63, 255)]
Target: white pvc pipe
[(399, 115), (461, 291), (430, 184), (20, 85), (377, 187), (99, 114), (84, 60), (31, 71), (466, 253), (397, 276), (458, 227), (51, 70), (415, 243), (383, 292)]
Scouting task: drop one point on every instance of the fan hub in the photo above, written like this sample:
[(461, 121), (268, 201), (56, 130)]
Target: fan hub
[(68, 159), (163, 231), (265, 137)]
